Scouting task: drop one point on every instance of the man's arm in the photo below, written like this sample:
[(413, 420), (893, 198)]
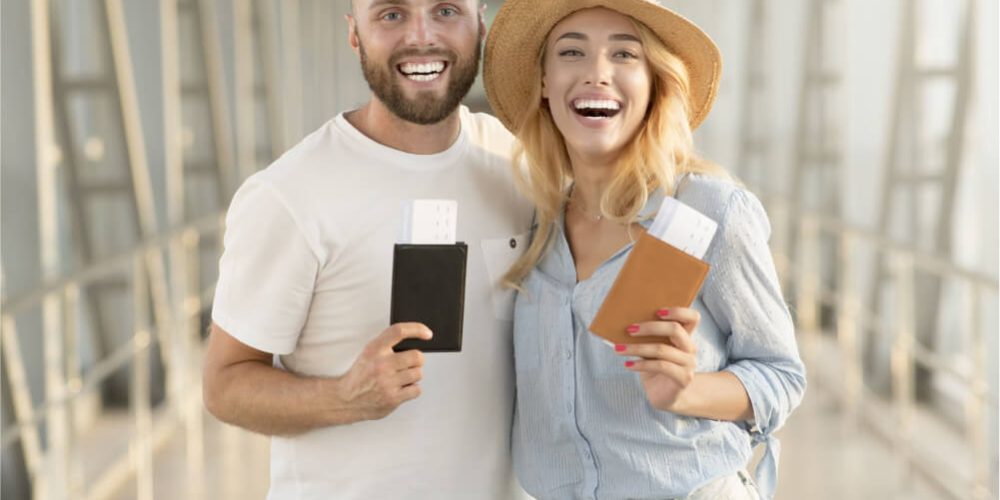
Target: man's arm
[(241, 387)]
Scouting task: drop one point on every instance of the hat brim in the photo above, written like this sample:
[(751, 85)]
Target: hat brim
[(522, 26)]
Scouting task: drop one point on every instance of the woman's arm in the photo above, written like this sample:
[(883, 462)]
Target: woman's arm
[(718, 396), (744, 298), (765, 378)]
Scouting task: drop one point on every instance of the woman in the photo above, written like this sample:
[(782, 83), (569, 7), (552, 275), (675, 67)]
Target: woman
[(603, 95)]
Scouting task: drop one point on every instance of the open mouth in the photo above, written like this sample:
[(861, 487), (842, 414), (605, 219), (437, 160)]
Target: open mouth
[(597, 109), (422, 72)]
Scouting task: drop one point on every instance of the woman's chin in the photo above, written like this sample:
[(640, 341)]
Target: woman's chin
[(592, 149)]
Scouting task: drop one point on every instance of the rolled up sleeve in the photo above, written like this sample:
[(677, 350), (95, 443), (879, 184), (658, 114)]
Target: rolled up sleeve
[(743, 296)]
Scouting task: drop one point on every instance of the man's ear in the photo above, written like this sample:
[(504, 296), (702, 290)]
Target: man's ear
[(352, 34)]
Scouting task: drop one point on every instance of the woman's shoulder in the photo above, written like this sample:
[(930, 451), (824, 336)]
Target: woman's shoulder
[(723, 199), (709, 194)]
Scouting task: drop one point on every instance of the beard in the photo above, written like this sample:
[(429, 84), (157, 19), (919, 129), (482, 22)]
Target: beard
[(425, 108)]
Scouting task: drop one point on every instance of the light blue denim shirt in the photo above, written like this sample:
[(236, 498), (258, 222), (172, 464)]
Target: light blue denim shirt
[(583, 427)]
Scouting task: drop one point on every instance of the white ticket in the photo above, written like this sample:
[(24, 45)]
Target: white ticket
[(683, 227), (429, 222)]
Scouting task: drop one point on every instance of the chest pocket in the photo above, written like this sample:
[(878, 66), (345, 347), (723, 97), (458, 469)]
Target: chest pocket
[(499, 254)]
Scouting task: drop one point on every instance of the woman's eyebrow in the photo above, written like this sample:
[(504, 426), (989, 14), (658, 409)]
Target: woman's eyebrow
[(618, 37), (573, 35), (624, 37)]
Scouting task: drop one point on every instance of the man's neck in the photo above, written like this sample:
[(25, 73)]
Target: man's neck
[(382, 126)]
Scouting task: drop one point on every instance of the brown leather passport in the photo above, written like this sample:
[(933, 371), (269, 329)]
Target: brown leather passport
[(654, 276)]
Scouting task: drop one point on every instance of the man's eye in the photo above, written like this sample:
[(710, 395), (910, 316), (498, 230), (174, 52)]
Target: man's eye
[(447, 12), (392, 16)]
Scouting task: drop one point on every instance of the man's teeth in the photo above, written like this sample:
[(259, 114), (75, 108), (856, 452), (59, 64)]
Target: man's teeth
[(597, 104), (422, 78), (422, 69)]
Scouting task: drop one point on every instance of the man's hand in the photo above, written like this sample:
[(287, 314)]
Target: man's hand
[(380, 380), (243, 388)]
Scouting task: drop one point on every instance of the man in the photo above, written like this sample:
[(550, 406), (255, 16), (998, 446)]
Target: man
[(299, 347)]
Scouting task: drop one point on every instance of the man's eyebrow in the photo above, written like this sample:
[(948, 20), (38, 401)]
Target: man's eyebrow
[(381, 3)]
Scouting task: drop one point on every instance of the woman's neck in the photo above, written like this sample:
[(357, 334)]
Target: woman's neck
[(590, 177)]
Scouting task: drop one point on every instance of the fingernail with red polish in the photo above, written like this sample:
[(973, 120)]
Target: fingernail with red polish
[(663, 312), (632, 329), (629, 364), (620, 348)]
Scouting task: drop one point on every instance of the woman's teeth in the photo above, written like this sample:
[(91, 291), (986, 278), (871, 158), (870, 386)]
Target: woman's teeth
[(596, 108)]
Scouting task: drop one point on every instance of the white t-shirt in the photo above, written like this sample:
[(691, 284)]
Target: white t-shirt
[(306, 274)]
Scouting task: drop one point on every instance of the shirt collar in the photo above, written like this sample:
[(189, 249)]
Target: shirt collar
[(650, 209), (646, 215), (558, 263)]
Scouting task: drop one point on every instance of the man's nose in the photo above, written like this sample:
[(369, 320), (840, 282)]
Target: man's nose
[(421, 32)]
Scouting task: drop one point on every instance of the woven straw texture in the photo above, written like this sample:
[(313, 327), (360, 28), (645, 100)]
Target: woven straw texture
[(520, 30)]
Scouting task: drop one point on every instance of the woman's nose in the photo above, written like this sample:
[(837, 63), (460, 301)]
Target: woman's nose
[(599, 72)]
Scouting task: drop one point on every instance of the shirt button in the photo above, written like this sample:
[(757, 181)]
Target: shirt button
[(569, 407), (587, 455), (513, 243), (568, 354)]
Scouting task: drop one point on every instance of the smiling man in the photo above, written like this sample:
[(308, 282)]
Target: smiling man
[(436, 77), (301, 348)]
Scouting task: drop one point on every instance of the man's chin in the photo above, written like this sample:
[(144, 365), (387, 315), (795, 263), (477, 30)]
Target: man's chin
[(428, 105), (429, 116), (420, 95)]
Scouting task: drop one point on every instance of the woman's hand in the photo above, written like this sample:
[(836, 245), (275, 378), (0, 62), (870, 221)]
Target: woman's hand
[(666, 369)]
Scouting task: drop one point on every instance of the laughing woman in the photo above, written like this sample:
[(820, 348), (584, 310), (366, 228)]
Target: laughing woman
[(604, 95)]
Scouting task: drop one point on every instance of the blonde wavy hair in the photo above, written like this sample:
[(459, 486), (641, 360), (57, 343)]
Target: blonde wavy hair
[(661, 151)]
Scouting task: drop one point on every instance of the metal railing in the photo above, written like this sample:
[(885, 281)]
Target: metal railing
[(50, 435), (55, 469), (969, 476)]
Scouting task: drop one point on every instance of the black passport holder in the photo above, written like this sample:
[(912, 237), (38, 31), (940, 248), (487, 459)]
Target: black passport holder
[(428, 286)]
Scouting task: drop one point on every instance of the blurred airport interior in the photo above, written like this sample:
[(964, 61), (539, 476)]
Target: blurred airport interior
[(868, 127)]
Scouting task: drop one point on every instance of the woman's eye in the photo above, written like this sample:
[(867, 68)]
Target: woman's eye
[(624, 54), (570, 53)]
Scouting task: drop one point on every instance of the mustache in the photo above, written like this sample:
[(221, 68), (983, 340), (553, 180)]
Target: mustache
[(398, 56)]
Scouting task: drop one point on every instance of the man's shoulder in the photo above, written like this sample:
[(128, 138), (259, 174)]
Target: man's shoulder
[(486, 121), (487, 131), (311, 154)]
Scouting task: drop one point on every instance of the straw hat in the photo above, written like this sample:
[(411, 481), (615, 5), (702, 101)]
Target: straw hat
[(522, 27)]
